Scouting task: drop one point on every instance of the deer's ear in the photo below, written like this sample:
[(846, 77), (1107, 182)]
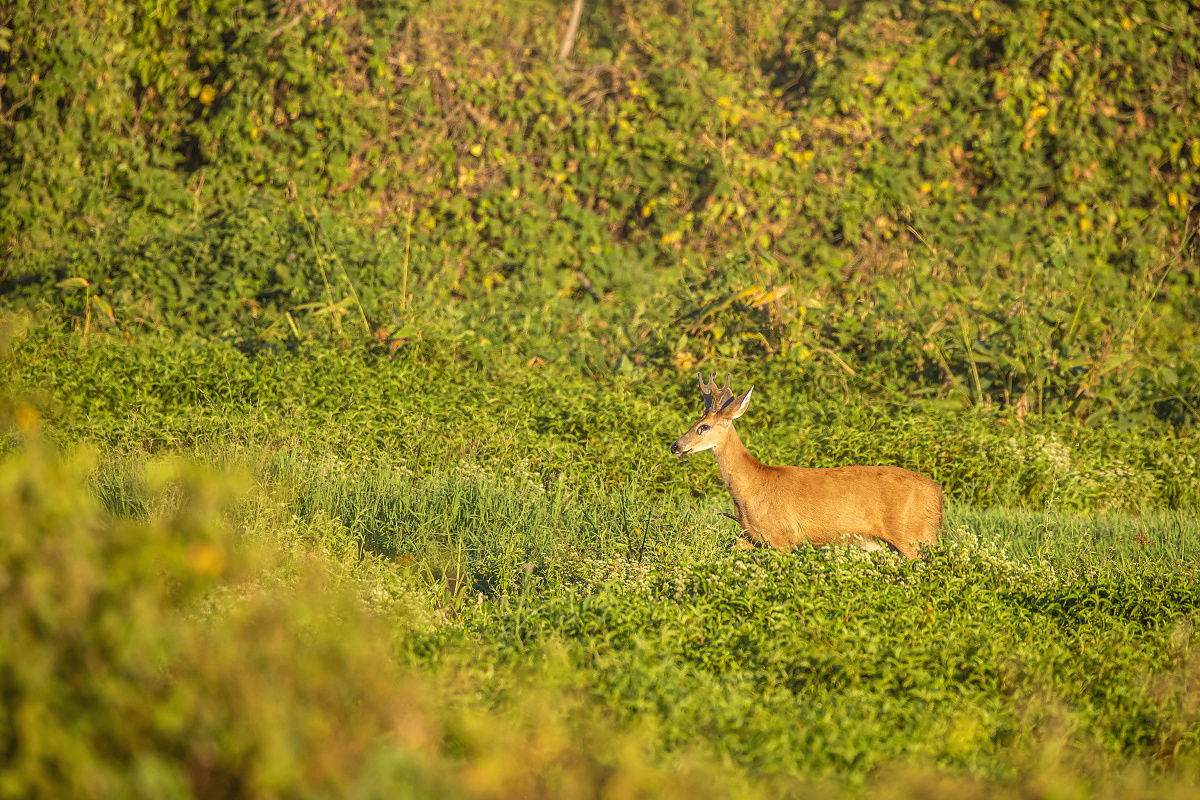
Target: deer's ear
[(740, 404)]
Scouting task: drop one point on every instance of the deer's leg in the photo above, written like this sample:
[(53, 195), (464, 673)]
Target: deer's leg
[(868, 543)]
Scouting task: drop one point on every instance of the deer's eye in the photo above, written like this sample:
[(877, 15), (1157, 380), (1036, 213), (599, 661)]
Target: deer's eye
[(701, 428)]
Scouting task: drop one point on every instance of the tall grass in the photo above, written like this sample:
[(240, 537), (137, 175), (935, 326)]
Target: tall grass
[(282, 626), (434, 408), (327, 573)]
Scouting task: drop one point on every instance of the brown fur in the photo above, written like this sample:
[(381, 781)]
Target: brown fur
[(786, 506)]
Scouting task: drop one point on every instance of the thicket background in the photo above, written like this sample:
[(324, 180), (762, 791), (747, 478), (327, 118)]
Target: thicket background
[(959, 204)]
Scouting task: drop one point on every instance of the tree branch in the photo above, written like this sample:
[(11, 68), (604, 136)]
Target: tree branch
[(568, 40)]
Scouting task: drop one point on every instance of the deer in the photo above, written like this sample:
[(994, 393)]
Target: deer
[(783, 507)]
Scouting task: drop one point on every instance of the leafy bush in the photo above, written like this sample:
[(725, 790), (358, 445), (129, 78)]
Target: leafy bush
[(986, 204), (835, 663), (162, 656)]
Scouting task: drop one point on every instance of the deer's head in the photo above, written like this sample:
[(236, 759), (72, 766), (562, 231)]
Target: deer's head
[(721, 408)]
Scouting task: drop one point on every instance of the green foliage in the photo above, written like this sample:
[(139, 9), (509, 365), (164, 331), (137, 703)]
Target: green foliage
[(159, 655), (815, 662), (450, 399), (975, 205), (128, 105), (431, 301), (111, 691), (168, 634)]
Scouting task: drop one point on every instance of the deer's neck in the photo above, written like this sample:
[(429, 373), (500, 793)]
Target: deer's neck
[(740, 470)]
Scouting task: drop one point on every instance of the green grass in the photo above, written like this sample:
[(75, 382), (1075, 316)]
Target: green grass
[(327, 572), (1161, 537), (527, 545), (291, 625), (435, 403)]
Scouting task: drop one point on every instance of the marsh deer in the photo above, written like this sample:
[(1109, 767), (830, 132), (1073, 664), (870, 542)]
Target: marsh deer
[(786, 506)]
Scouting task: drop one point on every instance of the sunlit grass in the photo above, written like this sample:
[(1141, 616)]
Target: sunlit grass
[(286, 627), (420, 590)]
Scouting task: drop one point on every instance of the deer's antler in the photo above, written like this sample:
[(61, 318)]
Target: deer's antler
[(714, 398)]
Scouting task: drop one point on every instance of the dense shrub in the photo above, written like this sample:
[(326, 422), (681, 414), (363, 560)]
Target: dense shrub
[(975, 204)]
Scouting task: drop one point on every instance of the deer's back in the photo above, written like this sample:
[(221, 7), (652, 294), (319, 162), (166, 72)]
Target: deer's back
[(798, 504)]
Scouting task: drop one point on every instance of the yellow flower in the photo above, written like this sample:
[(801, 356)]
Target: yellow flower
[(27, 418), (206, 558)]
